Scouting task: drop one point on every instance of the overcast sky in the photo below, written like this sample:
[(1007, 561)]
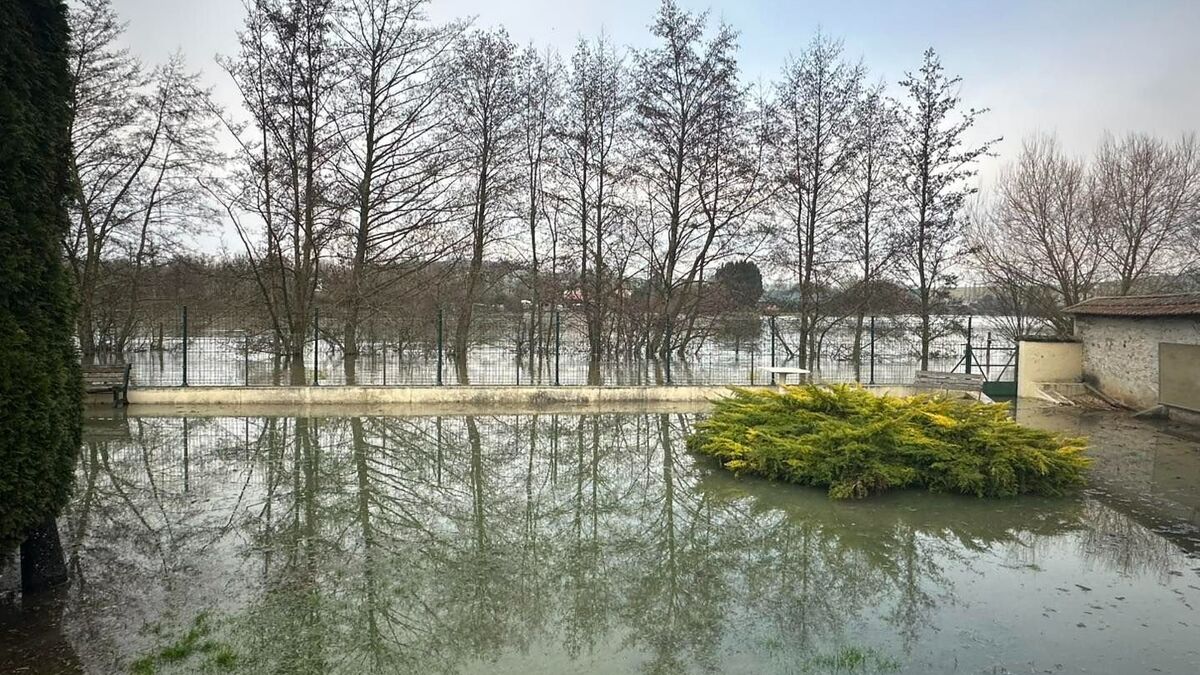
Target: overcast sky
[(1070, 67)]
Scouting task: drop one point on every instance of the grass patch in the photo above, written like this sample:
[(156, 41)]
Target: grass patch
[(214, 655), (856, 444)]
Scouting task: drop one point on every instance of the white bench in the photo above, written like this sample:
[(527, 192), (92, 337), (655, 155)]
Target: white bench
[(782, 374)]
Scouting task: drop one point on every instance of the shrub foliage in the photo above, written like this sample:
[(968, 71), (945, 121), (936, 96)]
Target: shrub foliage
[(39, 373), (856, 444)]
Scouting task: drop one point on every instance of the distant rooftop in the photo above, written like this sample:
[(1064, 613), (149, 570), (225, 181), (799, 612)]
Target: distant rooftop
[(1177, 304)]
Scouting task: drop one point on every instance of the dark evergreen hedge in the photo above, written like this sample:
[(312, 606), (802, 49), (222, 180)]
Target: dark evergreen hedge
[(39, 373)]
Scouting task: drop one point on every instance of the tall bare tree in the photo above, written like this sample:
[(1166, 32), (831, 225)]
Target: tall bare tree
[(482, 119), (1041, 233), (138, 141), (818, 98), (685, 88), (394, 165), (539, 87), (282, 199), (872, 215), (589, 139), (934, 164), (1147, 195)]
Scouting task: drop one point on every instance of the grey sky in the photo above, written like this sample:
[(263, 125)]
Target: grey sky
[(1074, 68)]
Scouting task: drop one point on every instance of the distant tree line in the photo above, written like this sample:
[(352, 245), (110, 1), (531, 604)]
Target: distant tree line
[(381, 160)]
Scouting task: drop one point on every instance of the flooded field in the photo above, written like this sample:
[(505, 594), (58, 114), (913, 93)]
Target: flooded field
[(592, 544)]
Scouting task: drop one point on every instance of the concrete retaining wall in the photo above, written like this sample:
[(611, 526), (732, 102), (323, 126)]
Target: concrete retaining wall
[(1041, 362)]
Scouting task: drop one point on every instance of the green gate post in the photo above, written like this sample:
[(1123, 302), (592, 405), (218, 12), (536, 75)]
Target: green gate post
[(872, 350), (772, 348), (987, 357), (969, 357), (557, 343), (316, 345), (520, 329), (185, 345), (246, 359), (439, 346)]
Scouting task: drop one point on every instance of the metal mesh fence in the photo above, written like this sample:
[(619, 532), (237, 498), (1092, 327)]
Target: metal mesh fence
[(179, 345)]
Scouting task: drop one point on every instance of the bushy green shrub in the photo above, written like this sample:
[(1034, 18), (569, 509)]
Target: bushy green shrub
[(855, 443), (39, 372)]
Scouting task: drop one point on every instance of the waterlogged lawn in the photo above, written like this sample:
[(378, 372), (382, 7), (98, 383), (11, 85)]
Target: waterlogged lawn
[(570, 543)]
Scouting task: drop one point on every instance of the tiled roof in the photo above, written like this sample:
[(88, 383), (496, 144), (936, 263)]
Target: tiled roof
[(1178, 304)]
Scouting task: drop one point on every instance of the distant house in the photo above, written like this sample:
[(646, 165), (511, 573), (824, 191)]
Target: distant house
[(1142, 350)]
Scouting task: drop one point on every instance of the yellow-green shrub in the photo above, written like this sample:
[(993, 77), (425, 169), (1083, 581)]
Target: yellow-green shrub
[(855, 443)]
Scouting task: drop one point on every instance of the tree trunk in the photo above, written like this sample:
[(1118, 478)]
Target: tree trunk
[(43, 565)]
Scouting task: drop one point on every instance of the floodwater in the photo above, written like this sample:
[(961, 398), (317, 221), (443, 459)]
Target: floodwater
[(593, 543)]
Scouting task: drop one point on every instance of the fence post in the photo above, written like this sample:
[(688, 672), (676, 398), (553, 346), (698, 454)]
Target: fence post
[(667, 351), (752, 350), (316, 345), (246, 359), (872, 350), (520, 330), (968, 356), (772, 348), (439, 346), (557, 343), (385, 361), (987, 357), (185, 345)]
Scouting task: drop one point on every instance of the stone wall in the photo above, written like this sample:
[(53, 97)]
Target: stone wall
[(1120, 355)]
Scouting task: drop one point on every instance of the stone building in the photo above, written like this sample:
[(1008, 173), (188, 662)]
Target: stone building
[(1143, 351)]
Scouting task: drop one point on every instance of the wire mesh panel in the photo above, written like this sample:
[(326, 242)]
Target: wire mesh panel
[(174, 344)]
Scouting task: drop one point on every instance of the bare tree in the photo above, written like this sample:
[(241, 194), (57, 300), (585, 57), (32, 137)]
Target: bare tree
[(934, 164), (282, 199), (818, 98), (1041, 233), (686, 88), (138, 142), (1146, 193), (872, 232), (483, 122), (539, 87), (394, 165), (589, 138)]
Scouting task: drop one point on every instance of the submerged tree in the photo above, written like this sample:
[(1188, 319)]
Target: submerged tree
[(281, 199), (818, 99), (934, 163), (139, 142), (394, 165), (39, 371), (482, 114)]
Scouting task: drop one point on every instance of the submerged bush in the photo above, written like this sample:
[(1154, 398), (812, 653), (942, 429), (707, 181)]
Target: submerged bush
[(856, 444)]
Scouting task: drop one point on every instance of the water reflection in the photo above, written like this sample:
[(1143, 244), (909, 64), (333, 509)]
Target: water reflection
[(552, 543)]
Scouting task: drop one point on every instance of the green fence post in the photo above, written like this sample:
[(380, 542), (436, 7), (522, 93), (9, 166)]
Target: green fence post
[(520, 329), (872, 350), (667, 354), (185, 345), (246, 359), (968, 356), (772, 348), (439, 346), (316, 345), (557, 343)]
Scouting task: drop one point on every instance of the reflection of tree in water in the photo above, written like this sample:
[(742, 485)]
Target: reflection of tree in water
[(439, 543)]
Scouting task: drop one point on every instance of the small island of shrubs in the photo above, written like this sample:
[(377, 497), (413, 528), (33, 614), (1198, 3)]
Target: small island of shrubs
[(856, 444)]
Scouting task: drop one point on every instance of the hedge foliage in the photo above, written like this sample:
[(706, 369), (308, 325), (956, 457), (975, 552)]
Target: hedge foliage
[(856, 443), (39, 373)]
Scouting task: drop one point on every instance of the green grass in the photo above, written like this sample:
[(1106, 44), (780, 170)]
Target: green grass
[(856, 444), (217, 656)]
